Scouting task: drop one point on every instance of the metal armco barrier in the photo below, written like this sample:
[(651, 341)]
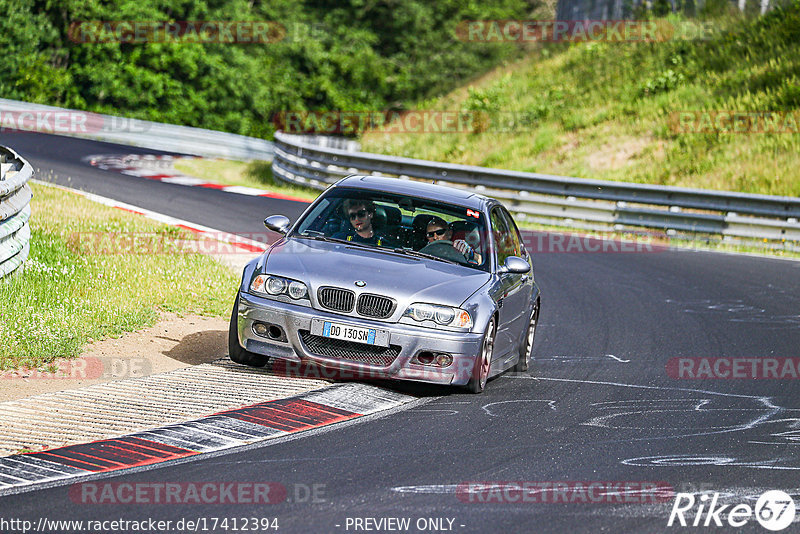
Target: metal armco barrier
[(15, 210), (135, 132), (557, 200)]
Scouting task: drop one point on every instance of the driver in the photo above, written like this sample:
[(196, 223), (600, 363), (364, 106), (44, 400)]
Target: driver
[(360, 213), (439, 234)]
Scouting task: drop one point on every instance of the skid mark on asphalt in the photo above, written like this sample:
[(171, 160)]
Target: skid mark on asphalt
[(487, 408), (785, 437), (697, 413), (736, 311), (636, 415), (568, 358), (438, 411), (687, 460)]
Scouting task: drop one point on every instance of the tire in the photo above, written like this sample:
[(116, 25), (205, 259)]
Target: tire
[(483, 361), (526, 348), (235, 351)]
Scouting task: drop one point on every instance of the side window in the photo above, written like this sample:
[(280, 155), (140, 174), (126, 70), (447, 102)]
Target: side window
[(515, 238), (502, 236)]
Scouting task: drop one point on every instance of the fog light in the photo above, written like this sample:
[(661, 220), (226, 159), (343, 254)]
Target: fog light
[(444, 360), (275, 332), (261, 329), (425, 358)]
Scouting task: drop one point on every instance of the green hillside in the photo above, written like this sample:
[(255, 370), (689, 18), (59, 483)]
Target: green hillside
[(625, 111)]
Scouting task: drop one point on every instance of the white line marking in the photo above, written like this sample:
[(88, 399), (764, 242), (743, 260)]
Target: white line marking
[(180, 180), (242, 190)]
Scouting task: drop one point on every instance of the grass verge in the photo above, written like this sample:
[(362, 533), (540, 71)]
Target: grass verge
[(68, 295), (256, 174)]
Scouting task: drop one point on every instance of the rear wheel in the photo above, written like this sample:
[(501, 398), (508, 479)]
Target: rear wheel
[(526, 348), (483, 362), (235, 351)]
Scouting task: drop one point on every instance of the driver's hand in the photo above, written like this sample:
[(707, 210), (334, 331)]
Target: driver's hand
[(464, 248)]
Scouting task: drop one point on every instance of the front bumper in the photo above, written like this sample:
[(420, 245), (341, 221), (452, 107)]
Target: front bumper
[(295, 322)]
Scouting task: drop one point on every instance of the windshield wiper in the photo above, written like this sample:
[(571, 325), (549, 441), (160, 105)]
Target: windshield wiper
[(418, 254), (320, 237)]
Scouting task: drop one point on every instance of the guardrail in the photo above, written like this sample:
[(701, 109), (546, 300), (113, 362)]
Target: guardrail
[(135, 132), (557, 200), (15, 210)]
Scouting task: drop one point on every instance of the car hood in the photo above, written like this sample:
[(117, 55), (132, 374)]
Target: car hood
[(404, 278)]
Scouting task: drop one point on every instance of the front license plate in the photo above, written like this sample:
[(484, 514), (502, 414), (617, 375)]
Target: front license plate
[(348, 333)]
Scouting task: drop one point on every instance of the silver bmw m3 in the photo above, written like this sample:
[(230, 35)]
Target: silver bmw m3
[(382, 278)]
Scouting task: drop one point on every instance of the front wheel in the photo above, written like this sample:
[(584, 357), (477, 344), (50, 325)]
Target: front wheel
[(526, 349), (235, 351), (483, 362)]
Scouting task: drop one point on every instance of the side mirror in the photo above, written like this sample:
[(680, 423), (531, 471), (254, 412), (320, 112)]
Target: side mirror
[(516, 265), (277, 223)]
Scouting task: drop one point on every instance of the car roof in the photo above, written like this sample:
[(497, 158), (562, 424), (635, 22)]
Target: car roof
[(452, 195)]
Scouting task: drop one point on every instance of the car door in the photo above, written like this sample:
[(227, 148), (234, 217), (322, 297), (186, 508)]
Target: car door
[(523, 293), (513, 289)]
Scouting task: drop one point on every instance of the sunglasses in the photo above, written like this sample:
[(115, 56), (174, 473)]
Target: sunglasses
[(358, 214), (440, 231)]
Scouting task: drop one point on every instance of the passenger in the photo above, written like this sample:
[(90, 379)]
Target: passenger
[(439, 234), (361, 213)]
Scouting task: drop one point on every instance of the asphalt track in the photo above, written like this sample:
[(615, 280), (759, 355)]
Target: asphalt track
[(599, 404)]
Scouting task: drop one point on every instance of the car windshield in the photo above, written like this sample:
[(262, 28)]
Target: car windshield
[(405, 224)]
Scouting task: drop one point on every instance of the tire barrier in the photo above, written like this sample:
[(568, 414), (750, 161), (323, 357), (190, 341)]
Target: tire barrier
[(15, 210)]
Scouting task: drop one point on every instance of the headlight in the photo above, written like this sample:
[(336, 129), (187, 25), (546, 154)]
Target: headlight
[(297, 290), (443, 315), (277, 286), (421, 312)]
